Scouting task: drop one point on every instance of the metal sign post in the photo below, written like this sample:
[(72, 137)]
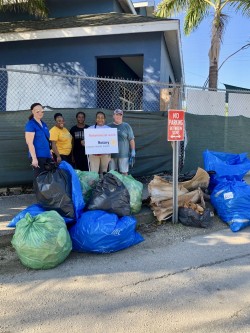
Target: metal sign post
[(175, 134), (175, 181)]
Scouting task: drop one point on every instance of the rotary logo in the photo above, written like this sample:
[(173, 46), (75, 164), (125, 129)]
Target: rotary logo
[(113, 142)]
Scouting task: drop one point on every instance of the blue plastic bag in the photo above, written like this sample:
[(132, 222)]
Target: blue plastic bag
[(33, 210), (225, 166), (231, 199), (101, 232), (77, 197)]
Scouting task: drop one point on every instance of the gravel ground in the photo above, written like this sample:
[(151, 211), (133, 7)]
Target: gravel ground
[(175, 233)]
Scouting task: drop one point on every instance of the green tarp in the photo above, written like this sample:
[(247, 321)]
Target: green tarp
[(153, 152), (217, 133)]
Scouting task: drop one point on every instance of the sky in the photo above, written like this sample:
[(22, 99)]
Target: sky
[(236, 70)]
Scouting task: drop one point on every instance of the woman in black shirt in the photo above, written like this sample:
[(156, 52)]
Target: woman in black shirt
[(77, 132)]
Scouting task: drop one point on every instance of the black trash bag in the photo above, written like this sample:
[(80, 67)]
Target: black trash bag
[(182, 177), (111, 196), (53, 189), (190, 218)]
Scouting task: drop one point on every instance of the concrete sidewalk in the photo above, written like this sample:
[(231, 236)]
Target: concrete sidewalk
[(10, 206)]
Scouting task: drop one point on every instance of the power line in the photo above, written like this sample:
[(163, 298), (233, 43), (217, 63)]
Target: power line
[(242, 48)]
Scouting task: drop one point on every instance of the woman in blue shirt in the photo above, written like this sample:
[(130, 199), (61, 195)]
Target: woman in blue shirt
[(37, 139)]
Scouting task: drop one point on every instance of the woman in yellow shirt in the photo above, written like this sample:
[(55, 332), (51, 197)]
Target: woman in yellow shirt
[(61, 140)]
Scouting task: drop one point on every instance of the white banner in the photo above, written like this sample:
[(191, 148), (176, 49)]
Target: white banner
[(100, 141)]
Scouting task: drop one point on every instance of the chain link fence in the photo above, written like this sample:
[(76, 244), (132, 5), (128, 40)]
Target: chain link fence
[(222, 102), (20, 88)]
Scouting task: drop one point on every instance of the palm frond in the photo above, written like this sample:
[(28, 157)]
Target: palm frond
[(242, 6), (223, 19), (168, 8), (196, 12)]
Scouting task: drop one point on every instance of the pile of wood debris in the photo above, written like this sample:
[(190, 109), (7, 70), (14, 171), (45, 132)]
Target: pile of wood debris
[(190, 194)]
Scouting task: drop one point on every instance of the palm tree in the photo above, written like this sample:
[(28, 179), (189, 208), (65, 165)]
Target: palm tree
[(32, 7), (195, 11)]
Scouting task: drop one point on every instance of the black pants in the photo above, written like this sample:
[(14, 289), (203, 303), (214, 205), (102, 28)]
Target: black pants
[(66, 158), (81, 163)]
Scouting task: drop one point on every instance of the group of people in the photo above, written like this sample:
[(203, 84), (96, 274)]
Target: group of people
[(59, 144)]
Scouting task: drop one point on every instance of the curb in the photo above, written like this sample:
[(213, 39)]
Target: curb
[(145, 216)]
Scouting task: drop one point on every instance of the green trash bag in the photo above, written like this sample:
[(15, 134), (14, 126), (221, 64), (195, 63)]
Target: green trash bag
[(88, 180), (42, 241), (134, 188)]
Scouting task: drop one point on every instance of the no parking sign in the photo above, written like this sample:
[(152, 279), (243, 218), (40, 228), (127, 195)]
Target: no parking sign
[(176, 125)]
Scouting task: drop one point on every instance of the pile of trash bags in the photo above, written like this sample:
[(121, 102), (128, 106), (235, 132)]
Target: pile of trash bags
[(190, 193), (76, 211), (230, 194)]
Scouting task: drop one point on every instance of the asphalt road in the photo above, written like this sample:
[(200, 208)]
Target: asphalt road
[(191, 284)]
